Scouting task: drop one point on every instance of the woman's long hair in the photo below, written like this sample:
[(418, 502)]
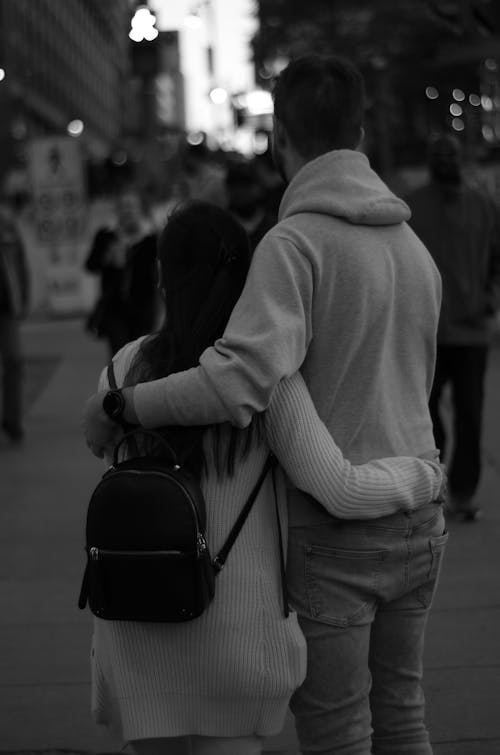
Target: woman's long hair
[(204, 257)]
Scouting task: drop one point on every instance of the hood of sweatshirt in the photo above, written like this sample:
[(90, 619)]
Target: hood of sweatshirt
[(341, 183)]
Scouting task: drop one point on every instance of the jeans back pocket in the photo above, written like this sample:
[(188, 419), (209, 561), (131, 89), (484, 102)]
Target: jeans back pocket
[(341, 583), (426, 591)]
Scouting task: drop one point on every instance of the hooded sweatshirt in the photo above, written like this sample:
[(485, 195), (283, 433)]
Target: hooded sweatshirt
[(342, 289)]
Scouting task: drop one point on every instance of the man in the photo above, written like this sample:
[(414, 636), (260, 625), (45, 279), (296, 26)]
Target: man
[(342, 289), (246, 197), (460, 226), (202, 175), (125, 258), (14, 295)]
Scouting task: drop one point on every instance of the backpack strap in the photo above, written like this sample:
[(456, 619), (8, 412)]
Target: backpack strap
[(220, 559), (110, 372), (128, 427)]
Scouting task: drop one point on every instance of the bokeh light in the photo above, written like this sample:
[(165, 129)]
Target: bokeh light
[(260, 143), (75, 128), (259, 101), (458, 124), (195, 138), (143, 25), (119, 158), (488, 133), (432, 93), (218, 95)]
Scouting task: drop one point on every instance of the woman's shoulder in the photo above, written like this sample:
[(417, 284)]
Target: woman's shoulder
[(123, 358), (129, 350)]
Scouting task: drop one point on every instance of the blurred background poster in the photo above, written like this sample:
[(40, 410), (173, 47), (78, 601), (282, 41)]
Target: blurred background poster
[(58, 190)]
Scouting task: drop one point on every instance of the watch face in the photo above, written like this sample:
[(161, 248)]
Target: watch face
[(113, 404)]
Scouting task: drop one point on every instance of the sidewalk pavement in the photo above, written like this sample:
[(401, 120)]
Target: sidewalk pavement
[(44, 669)]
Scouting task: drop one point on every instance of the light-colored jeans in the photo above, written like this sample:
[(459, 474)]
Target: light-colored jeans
[(363, 592)]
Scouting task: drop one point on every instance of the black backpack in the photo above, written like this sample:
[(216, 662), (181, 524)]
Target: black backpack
[(147, 554)]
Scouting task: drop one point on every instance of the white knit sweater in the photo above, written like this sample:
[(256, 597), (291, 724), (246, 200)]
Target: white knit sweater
[(232, 671)]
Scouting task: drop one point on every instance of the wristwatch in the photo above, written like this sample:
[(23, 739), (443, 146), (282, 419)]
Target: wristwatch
[(113, 404)]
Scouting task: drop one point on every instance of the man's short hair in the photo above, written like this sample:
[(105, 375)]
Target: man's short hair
[(319, 100)]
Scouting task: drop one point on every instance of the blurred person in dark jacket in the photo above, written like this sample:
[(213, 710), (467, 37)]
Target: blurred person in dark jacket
[(460, 226), (14, 297), (202, 174), (124, 256), (246, 200), (274, 186)]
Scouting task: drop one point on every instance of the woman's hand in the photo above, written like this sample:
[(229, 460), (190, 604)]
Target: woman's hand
[(100, 431)]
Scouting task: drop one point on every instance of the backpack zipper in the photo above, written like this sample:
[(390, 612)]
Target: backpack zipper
[(95, 553), (201, 543), (165, 474)]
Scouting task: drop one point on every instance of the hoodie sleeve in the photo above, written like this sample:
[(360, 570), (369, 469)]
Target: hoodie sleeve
[(265, 340), (315, 464)]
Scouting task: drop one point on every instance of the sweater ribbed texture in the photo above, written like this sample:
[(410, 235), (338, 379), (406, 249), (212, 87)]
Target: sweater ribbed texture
[(232, 671)]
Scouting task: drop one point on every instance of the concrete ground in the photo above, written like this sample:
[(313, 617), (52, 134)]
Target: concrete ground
[(44, 638)]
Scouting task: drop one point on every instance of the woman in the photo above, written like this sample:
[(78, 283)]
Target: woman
[(220, 683)]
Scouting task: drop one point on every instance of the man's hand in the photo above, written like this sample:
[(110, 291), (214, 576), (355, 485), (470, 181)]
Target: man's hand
[(100, 432), (433, 455)]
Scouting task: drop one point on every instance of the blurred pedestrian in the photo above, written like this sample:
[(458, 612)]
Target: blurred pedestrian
[(246, 200), (222, 682), (124, 256), (344, 290), (14, 299), (202, 175), (273, 183), (460, 226)]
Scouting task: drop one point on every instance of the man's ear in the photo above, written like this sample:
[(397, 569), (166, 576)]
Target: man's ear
[(280, 135)]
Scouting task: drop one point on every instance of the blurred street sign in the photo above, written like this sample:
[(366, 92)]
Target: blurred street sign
[(166, 100), (56, 173)]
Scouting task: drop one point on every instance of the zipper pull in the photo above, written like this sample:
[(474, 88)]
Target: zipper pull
[(201, 544), (94, 554)]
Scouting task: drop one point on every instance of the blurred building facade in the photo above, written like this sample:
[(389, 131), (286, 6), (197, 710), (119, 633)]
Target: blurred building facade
[(429, 66), (61, 62), (215, 61)]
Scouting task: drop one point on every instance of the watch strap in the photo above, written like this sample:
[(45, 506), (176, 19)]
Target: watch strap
[(110, 374)]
